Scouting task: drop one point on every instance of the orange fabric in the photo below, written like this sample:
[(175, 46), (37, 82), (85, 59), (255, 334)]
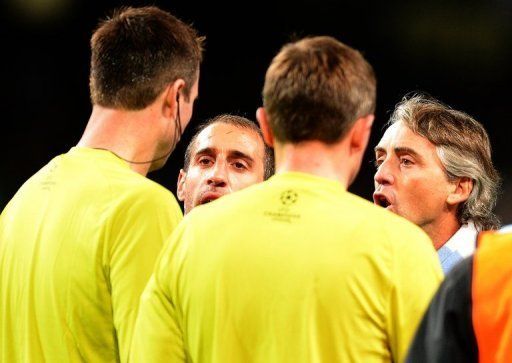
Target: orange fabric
[(492, 297)]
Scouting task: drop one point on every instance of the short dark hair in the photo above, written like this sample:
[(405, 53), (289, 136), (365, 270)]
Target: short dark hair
[(316, 88), (238, 121), (137, 52), (464, 149)]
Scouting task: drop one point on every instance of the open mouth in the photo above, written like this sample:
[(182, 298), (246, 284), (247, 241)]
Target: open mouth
[(209, 196), (381, 200), (208, 200)]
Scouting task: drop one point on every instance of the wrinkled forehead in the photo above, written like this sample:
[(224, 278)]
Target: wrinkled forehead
[(223, 137), (400, 135), (399, 138), (392, 132)]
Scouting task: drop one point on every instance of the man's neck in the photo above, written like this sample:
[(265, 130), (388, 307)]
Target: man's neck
[(314, 157), (441, 231), (122, 133)]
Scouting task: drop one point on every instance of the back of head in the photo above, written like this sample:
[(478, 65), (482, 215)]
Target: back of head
[(136, 53), (463, 147), (315, 89)]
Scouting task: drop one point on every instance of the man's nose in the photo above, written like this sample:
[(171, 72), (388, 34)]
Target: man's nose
[(218, 176), (384, 174)]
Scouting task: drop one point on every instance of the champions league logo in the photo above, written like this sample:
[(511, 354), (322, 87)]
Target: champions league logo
[(284, 212), (288, 197)]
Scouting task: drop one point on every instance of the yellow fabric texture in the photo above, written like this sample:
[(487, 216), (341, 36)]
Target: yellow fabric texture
[(294, 269), (78, 243)]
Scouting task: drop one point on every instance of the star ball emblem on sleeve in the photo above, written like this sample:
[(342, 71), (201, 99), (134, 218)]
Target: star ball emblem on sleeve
[(288, 197)]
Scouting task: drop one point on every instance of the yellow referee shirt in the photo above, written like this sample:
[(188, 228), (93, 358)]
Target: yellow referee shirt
[(78, 243), (294, 269)]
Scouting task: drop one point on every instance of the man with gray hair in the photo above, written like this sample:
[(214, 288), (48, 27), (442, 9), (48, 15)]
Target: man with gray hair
[(434, 168)]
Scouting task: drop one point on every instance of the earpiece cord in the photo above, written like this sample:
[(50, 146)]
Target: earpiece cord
[(177, 136)]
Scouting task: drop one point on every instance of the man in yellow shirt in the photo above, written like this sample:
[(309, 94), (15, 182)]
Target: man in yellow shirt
[(294, 269), (79, 240), (225, 155)]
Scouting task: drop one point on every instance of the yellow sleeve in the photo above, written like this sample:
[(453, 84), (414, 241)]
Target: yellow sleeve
[(138, 232), (158, 336), (416, 274)]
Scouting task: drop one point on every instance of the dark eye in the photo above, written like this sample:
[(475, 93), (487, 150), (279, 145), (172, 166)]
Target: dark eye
[(406, 162), (239, 165), (378, 162), (204, 161)]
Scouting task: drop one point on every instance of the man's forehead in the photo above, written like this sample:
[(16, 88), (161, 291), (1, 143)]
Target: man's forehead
[(392, 132), (223, 136), (400, 135)]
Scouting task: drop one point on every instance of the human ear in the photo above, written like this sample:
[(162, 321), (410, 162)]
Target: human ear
[(461, 192), (360, 134), (261, 116), (180, 193), (171, 98)]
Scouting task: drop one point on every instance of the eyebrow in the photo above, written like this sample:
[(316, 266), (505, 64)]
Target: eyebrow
[(407, 150), (379, 149), (400, 150), (240, 155), (205, 151), (232, 153)]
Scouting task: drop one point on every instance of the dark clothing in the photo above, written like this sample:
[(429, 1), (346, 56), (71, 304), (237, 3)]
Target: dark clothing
[(470, 317), (446, 332)]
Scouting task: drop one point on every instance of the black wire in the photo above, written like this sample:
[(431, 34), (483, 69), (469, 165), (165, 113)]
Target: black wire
[(176, 138)]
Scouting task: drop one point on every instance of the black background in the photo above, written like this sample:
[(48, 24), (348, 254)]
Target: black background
[(457, 51)]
